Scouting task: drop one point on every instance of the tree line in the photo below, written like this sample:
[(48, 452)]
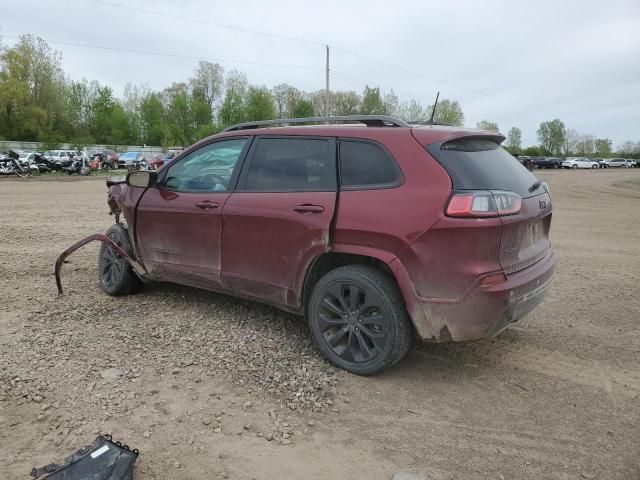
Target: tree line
[(38, 102)]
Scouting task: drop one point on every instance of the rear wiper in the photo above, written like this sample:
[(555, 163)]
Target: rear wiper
[(535, 186)]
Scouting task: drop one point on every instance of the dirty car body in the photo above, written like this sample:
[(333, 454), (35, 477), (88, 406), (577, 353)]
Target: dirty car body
[(437, 226)]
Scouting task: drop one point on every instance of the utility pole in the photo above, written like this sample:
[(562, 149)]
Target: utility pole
[(326, 92)]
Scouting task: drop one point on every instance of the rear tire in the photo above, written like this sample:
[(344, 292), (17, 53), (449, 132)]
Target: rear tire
[(574, 166), (594, 166), (358, 319), (116, 275), (105, 167)]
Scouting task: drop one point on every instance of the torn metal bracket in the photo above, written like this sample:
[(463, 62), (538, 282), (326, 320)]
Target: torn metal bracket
[(137, 267)]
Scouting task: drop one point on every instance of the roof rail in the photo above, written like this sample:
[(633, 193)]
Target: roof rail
[(432, 122), (368, 120)]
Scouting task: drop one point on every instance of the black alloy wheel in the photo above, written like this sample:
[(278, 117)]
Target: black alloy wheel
[(358, 320), (350, 318), (116, 275)]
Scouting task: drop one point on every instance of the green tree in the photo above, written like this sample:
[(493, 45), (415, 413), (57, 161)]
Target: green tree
[(487, 125), (532, 152), (603, 147), (552, 136), (152, 119), (514, 140), (448, 111), (179, 122), (372, 103), (31, 90), (232, 110), (303, 108), (108, 123), (259, 104)]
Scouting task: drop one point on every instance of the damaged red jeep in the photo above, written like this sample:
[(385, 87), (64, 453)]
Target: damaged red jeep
[(372, 228)]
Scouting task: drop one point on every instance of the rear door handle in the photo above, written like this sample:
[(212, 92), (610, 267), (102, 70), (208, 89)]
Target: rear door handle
[(207, 204), (308, 208)]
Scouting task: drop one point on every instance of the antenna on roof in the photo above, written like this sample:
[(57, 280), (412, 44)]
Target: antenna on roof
[(433, 112)]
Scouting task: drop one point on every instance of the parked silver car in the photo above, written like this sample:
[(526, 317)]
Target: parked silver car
[(621, 162), (582, 162)]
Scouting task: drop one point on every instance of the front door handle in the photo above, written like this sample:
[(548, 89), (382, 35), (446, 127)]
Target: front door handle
[(207, 204), (308, 208)]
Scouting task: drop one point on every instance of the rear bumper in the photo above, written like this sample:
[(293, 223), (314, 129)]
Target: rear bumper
[(487, 310)]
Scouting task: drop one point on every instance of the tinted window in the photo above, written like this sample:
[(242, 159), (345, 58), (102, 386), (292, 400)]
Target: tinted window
[(365, 164), (207, 169), (482, 164), (298, 164)]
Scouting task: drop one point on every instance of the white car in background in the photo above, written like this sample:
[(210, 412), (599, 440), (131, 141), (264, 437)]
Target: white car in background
[(621, 162), (579, 163)]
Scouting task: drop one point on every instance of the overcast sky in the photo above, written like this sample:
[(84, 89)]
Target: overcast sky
[(514, 62)]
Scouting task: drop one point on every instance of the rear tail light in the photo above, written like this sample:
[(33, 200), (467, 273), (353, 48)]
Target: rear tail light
[(484, 203)]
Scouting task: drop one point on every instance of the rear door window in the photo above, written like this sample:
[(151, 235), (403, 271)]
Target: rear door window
[(290, 164), (482, 164), (366, 165)]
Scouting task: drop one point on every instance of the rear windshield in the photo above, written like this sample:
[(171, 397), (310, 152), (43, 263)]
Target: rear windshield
[(482, 164)]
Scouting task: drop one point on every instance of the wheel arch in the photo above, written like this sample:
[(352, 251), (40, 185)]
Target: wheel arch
[(338, 256), (385, 261)]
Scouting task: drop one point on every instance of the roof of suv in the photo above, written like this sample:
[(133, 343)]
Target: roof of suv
[(363, 126)]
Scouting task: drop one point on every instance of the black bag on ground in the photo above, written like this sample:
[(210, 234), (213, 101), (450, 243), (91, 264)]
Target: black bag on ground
[(101, 460)]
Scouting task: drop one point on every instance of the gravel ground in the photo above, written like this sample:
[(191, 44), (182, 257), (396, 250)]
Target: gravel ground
[(208, 386)]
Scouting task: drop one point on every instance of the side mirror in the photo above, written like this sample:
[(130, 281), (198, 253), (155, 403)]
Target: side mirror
[(142, 179)]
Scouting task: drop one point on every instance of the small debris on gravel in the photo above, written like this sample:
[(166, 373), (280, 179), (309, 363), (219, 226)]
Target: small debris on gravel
[(110, 374), (408, 476)]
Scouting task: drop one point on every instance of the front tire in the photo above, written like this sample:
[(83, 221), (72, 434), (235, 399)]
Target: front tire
[(116, 275), (574, 166), (22, 171), (358, 319)]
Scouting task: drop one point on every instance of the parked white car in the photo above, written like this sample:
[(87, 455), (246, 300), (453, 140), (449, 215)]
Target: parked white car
[(579, 163), (621, 162)]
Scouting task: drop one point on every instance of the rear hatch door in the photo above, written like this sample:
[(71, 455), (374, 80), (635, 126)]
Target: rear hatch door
[(478, 162)]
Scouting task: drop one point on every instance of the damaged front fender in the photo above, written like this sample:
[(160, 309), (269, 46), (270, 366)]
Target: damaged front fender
[(137, 267)]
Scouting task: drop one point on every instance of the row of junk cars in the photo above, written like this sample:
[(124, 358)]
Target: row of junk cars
[(26, 163), (577, 162)]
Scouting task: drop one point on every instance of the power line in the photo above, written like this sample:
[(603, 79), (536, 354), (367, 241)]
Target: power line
[(174, 55), (426, 77), (359, 81), (309, 42), (206, 22)]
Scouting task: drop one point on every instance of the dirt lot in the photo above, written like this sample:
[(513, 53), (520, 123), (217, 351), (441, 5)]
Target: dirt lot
[(207, 386)]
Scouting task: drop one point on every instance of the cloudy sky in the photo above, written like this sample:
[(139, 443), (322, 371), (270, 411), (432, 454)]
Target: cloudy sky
[(514, 62)]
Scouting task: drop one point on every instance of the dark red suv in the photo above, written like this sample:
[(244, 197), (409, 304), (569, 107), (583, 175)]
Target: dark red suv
[(373, 230)]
